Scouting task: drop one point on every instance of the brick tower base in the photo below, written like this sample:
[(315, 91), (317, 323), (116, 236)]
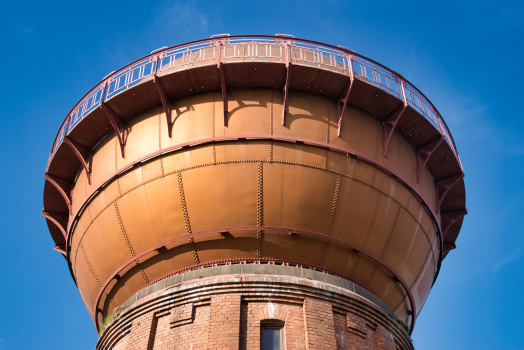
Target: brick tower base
[(226, 307)]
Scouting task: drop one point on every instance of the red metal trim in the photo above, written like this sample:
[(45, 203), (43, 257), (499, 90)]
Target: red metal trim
[(265, 228), (393, 122), (60, 250), (220, 66), (60, 189), (257, 260), (86, 166), (440, 197), (452, 216), (275, 138), (121, 136), (286, 85), (166, 103), (294, 41), (48, 216), (420, 151), (344, 100)]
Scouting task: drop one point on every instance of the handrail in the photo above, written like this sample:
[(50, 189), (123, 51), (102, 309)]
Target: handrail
[(338, 58)]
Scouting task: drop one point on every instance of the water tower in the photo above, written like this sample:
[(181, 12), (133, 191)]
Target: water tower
[(254, 192)]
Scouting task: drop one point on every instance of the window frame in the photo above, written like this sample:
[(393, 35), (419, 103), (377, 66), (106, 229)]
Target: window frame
[(272, 324)]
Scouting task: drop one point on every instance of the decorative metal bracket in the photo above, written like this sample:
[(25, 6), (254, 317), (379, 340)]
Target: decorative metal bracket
[(60, 249), (87, 166), (60, 189), (442, 182), (166, 103), (428, 153), (220, 66), (344, 101), (394, 121), (448, 247), (112, 119), (48, 216), (452, 216), (286, 85)]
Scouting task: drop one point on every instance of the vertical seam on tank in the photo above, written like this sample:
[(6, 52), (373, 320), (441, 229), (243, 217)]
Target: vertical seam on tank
[(421, 269), (376, 141), (385, 246), (116, 168), (431, 228), (377, 125), (88, 209), (94, 274), (391, 233), (129, 246), (260, 207), (213, 126), (271, 128), (401, 301), (327, 140), (247, 161), (88, 308), (186, 216), (160, 142), (331, 219), (89, 265)]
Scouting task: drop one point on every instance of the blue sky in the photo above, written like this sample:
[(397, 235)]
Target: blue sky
[(465, 56)]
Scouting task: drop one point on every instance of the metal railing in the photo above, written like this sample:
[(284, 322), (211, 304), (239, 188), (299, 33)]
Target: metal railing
[(250, 48)]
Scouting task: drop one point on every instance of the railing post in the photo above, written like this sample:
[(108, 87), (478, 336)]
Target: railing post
[(404, 98)]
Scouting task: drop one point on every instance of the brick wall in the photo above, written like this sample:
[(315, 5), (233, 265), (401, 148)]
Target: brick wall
[(190, 333), (318, 324), (253, 313), (212, 314), (385, 340), (224, 322), (354, 333), (141, 336)]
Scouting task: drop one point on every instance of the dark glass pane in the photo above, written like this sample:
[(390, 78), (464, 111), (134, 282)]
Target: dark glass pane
[(271, 338)]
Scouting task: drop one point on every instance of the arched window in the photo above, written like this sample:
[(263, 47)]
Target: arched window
[(272, 335)]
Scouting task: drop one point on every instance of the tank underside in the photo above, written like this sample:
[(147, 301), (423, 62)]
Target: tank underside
[(220, 165)]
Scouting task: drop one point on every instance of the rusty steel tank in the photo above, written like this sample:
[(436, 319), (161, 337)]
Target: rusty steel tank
[(254, 149)]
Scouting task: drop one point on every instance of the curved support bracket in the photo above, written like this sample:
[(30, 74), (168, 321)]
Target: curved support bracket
[(427, 153), (61, 250), (48, 216), (452, 216), (379, 261), (393, 122), (60, 189), (87, 166), (344, 101), (220, 66), (286, 85), (448, 186), (166, 103), (112, 119)]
